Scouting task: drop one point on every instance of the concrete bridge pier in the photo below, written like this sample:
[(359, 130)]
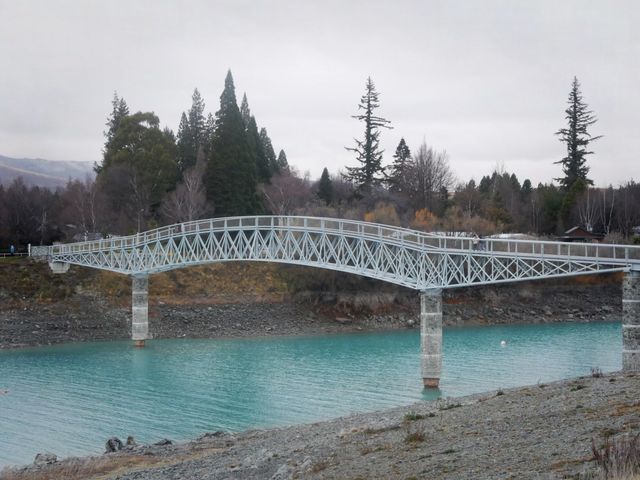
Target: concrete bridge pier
[(140, 309), (631, 322), (431, 336)]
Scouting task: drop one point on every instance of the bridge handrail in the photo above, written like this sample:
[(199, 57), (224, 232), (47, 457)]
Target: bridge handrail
[(622, 254)]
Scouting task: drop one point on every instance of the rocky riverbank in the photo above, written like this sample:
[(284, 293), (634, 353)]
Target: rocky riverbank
[(90, 316), (536, 432)]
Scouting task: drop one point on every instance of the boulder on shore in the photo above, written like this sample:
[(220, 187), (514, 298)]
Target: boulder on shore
[(45, 459), (114, 444)]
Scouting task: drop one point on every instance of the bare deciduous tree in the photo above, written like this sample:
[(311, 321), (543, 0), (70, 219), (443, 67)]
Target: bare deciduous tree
[(587, 208), (287, 193), (188, 201), (429, 175), (605, 208)]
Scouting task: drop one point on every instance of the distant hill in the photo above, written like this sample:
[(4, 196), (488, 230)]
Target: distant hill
[(43, 173)]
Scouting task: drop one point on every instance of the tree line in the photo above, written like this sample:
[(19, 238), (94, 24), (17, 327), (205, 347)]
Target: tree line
[(223, 164)]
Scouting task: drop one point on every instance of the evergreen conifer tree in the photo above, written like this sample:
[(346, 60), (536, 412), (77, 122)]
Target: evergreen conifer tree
[(401, 163), (139, 165), (184, 144), (255, 144), (196, 118), (368, 153), (209, 128), (192, 133), (269, 153), (119, 111), (283, 163), (245, 111), (231, 172), (577, 138), (325, 187)]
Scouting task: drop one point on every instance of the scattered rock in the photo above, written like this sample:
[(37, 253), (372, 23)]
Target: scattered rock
[(114, 444), (217, 433), (285, 472), (45, 459), (131, 441), (164, 441), (343, 320)]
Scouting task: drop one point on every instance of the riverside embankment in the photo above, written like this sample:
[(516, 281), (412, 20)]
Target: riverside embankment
[(39, 308)]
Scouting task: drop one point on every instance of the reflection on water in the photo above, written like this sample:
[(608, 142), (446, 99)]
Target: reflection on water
[(69, 399)]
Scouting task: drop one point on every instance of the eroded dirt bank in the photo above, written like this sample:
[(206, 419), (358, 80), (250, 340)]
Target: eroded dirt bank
[(38, 308)]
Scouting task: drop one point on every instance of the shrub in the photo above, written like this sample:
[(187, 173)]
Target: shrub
[(412, 416)]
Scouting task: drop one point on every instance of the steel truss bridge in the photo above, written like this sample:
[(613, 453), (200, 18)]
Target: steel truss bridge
[(410, 258)]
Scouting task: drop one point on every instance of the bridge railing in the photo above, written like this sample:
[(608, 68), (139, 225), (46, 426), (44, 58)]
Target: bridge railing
[(542, 248), (600, 252)]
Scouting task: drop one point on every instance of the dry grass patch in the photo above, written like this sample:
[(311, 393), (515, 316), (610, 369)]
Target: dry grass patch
[(82, 469), (414, 435), (618, 458), (626, 409)]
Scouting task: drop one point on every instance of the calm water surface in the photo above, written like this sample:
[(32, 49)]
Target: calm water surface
[(69, 399)]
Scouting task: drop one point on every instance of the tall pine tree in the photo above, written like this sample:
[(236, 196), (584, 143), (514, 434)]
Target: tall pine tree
[(399, 168), (283, 163), (269, 153), (185, 143), (368, 153), (325, 187), (245, 112), (231, 172), (577, 139), (192, 133), (257, 150), (118, 112)]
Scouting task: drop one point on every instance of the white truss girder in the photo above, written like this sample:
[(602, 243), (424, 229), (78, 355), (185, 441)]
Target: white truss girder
[(405, 257)]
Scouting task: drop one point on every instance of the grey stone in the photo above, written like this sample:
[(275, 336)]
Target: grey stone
[(114, 444), (285, 472), (45, 459), (164, 441)]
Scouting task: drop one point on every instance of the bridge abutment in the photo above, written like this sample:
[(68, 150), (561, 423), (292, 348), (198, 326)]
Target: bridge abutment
[(631, 322), (140, 309), (431, 336)]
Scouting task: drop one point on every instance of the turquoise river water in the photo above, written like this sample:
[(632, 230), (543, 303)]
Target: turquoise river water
[(69, 399)]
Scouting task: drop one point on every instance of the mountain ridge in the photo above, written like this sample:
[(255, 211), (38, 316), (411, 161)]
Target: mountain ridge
[(42, 172)]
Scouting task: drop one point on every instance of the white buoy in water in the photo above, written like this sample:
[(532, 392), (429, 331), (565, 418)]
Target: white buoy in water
[(503, 343)]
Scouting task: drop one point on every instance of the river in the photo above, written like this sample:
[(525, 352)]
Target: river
[(68, 399)]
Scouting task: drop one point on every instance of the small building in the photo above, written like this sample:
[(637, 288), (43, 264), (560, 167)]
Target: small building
[(580, 234)]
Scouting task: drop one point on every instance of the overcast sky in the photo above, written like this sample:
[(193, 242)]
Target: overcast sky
[(487, 81)]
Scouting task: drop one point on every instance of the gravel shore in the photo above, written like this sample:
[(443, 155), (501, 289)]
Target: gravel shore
[(536, 432)]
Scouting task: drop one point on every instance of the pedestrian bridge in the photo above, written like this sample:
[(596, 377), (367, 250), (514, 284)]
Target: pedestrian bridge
[(397, 255), (422, 261)]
